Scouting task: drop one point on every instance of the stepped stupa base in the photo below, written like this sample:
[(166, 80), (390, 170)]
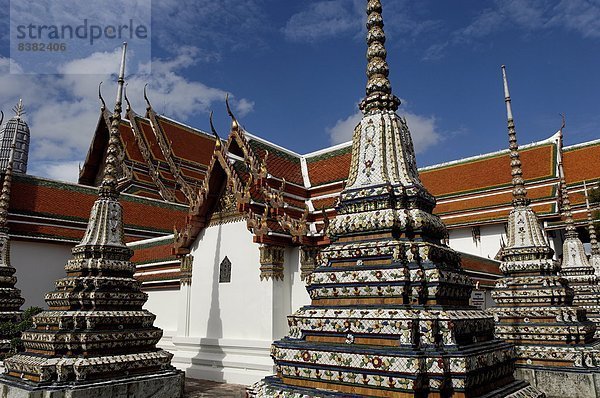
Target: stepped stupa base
[(274, 387), (165, 384), (562, 382)]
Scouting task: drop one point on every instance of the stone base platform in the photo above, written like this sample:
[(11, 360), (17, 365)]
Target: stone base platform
[(273, 387), (168, 384), (562, 382)]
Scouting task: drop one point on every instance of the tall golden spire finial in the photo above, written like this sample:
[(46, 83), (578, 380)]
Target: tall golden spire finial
[(591, 227), (379, 94), (108, 188), (518, 183)]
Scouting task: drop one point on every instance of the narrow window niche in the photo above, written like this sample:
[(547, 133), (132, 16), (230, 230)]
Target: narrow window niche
[(225, 271)]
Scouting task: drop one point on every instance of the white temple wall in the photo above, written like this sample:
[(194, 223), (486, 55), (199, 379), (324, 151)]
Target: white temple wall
[(162, 303), (227, 330), (38, 265), (487, 246), (299, 295)]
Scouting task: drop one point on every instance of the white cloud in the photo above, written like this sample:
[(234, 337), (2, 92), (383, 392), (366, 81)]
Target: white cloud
[(62, 110), (423, 129), (61, 171), (244, 107), (344, 128)]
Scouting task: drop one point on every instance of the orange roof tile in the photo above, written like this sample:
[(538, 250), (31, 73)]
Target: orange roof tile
[(582, 163), (41, 197), (279, 163), (488, 172), (501, 199), (187, 144), (329, 167)]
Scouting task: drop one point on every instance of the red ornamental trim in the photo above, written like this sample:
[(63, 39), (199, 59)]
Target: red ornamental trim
[(306, 356), (377, 362)]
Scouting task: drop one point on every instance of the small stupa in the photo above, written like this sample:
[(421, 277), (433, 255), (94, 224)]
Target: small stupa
[(575, 267), (595, 255), (556, 350), (95, 340)]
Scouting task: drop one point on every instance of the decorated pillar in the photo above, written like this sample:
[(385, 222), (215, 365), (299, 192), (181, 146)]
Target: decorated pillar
[(272, 258), (308, 261), (185, 294)]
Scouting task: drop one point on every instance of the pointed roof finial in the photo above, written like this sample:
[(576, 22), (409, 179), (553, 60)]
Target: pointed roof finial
[(19, 109), (379, 94), (108, 188), (149, 105), (571, 231), (518, 183), (214, 131), (103, 107), (128, 107), (234, 123), (591, 227)]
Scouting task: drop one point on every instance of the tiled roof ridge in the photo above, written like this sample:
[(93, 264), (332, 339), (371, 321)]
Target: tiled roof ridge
[(271, 144), (550, 140), (185, 126), (167, 151), (332, 152), (151, 242), (147, 155), (94, 190), (328, 149), (581, 145), (275, 150)]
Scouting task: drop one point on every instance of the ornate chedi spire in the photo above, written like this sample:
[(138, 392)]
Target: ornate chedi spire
[(10, 297), (595, 255), (535, 304), (390, 314), (95, 337), (575, 265)]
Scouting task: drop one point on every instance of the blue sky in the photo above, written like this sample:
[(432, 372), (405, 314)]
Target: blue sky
[(296, 71)]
